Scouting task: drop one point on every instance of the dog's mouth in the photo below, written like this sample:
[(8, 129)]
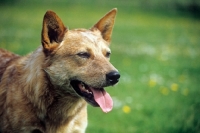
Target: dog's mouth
[(97, 97)]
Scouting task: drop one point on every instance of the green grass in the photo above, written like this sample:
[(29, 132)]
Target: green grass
[(157, 54)]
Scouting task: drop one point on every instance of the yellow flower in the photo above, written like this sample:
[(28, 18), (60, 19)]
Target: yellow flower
[(174, 87), (164, 91), (126, 109), (152, 83)]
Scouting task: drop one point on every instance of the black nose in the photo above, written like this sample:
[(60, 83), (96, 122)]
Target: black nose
[(113, 77)]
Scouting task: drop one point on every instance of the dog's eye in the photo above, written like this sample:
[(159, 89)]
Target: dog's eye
[(84, 54), (108, 54)]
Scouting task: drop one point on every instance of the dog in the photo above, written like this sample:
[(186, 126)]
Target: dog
[(47, 91)]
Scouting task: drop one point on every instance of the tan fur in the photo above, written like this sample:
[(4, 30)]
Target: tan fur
[(35, 91)]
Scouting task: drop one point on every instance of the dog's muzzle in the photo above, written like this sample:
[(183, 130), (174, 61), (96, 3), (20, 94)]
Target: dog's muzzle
[(113, 77), (97, 96)]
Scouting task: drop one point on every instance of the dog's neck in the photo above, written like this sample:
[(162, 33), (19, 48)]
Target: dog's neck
[(34, 76)]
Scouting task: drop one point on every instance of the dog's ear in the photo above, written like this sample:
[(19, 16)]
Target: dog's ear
[(53, 31), (105, 25)]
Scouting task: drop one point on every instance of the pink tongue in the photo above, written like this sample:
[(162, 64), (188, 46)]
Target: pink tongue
[(103, 99)]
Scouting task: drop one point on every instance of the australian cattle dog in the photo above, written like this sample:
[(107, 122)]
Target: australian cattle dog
[(47, 91)]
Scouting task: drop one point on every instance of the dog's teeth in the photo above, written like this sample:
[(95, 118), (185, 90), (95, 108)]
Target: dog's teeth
[(84, 89), (88, 91)]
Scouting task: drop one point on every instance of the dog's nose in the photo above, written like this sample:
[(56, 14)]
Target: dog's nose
[(113, 77)]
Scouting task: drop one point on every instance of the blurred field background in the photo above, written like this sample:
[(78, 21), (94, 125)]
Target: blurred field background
[(155, 46)]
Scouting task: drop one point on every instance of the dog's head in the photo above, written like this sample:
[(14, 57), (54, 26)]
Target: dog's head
[(78, 60)]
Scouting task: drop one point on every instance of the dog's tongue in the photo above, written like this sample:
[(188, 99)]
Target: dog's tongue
[(103, 99)]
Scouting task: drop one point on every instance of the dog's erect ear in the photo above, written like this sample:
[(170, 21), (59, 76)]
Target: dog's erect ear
[(53, 31), (105, 25)]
